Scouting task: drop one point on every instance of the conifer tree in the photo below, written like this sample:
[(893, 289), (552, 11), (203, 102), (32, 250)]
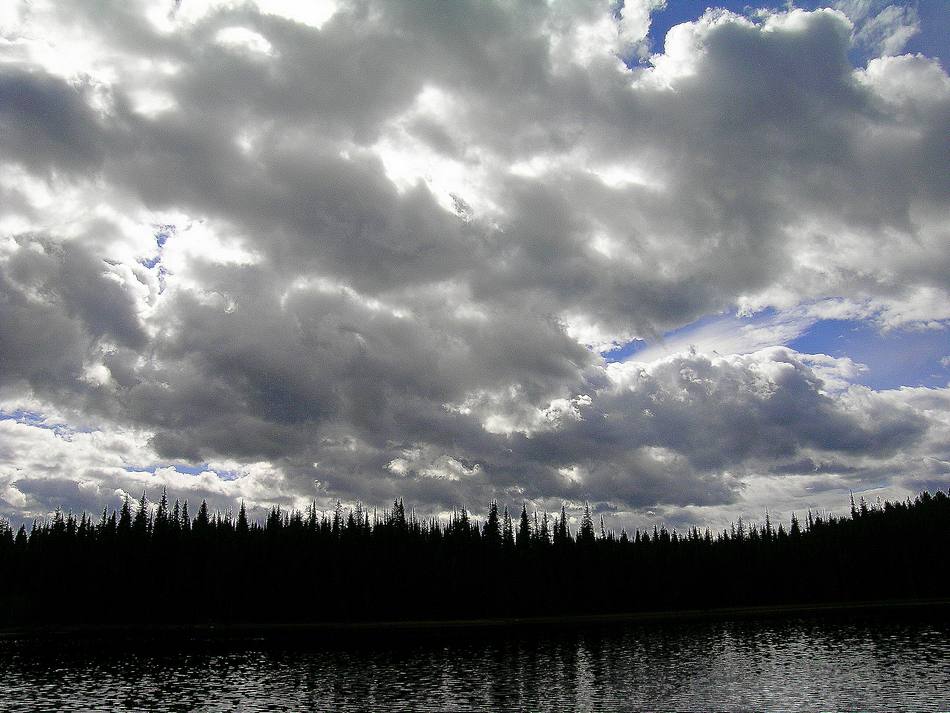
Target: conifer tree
[(337, 526), (560, 529), (312, 523), (544, 536), (507, 532), (85, 525), (161, 526), (202, 521), (6, 535), (185, 518), (795, 530), (140, 523), (174, 523), (585, 535), (524, 529), (491, 530), (463, 523), (124, 526), (19, 541), (242, 527), (399, 516)]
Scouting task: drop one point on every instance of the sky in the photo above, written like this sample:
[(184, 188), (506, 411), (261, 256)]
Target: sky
[(685, 264)]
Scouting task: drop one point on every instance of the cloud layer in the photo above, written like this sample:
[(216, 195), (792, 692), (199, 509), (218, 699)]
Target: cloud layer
[(375, 251)]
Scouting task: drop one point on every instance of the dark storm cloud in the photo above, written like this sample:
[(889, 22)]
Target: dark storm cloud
[(46, 124), (55, 300)]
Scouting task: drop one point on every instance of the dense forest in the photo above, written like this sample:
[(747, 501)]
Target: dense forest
[(147, 565)]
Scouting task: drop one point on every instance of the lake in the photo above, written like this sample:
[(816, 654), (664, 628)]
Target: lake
[(803, 662)]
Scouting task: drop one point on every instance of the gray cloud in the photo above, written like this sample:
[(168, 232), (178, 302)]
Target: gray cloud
[(396, 235), (47, 124)]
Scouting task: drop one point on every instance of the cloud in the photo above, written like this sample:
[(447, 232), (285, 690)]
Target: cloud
[(880, 28), (369, 248)]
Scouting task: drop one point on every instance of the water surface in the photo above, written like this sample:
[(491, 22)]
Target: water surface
[(801, 663)]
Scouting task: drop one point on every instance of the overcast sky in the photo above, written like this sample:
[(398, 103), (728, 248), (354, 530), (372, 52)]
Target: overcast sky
[(685, 265)]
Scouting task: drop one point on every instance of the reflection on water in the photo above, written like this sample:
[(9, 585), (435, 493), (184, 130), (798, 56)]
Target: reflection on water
[(799, 664)]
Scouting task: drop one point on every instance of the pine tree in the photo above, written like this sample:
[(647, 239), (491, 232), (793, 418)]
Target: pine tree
[(175, 521), (140, 523), (585, 535), (524, 529), (491, 530), (560, 529), (337, 526), (507, 532), (124, 527), (398, 517), (161, 527), (796, 531), (242, 527), (202, 521)]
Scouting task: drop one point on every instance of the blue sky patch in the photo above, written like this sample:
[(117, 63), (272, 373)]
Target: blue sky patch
[(625, 352), (38, 420), (185, 469), (933, 39), (180, 467), (895, 358)]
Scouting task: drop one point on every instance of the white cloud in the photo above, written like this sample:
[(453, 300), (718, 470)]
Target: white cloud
[(882, 29), (241, 38), (388, 238)]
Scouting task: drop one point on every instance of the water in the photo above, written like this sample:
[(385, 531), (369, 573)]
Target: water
[(805, 663)]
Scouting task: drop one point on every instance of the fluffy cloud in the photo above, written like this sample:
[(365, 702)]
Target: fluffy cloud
[(366, 252)]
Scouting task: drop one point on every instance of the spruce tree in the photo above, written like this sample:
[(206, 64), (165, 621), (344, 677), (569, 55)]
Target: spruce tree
[(560, 529), (585, 535), (124, 527), (161, 526), (140, 523), (185, 518), (507, 532), (202, 521), (242, 527), (491, 530), (21, 538), (524, 529), (174, 523)]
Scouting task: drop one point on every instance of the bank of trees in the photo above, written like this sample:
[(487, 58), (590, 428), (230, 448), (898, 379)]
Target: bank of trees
[(142, 565)]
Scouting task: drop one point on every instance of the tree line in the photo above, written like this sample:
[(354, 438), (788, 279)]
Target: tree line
[(145, 565)]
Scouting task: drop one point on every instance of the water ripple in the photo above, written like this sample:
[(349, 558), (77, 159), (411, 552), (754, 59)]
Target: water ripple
[(786, 665)]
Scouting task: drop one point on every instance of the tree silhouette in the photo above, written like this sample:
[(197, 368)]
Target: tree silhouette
[(242, 526), (300, 567), (585, 535), (524, 530), (507, 532), (491, 530), (125, 518)]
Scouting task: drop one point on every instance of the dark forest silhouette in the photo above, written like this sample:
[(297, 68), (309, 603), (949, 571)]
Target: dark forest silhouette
[(144, 566)]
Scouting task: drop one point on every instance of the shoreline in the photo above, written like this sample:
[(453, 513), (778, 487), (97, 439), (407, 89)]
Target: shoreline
[(276, 632)]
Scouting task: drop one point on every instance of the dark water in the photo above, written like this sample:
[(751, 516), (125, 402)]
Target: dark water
[(805, 663)]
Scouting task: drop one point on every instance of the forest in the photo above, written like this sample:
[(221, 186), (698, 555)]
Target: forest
[(149, 565)]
